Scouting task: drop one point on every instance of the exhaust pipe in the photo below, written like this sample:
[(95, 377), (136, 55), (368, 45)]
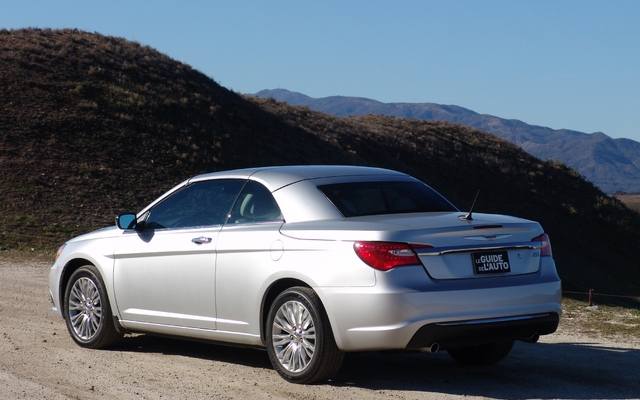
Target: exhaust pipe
[(532, 339), (435, 346)]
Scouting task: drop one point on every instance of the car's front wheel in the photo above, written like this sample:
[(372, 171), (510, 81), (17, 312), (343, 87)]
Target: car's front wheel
[(300, 342), (484, 354), (87, 311)]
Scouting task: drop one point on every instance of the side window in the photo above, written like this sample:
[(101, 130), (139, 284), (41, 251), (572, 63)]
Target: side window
[(255, 204), (199, 204)]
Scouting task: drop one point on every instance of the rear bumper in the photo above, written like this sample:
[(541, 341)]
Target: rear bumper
[(466, 333), (408, 310)]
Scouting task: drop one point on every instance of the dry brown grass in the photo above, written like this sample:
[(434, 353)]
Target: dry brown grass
[(608, 321)]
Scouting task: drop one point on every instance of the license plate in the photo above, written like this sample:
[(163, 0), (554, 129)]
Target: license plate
[(493, 262)]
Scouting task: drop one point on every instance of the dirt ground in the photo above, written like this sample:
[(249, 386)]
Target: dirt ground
[(39, 360)]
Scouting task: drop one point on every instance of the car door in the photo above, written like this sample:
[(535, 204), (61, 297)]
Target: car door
[(164, 274), (249, 248)]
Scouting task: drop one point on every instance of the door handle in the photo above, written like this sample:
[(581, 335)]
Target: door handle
[(201, 240)]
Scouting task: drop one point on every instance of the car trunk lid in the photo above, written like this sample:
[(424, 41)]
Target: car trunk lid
[(448, 246)]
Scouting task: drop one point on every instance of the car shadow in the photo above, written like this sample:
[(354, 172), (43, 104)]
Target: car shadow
[(541, 370), (250, 357)]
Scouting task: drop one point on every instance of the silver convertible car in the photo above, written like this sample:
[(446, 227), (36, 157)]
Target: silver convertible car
[(311, 262)]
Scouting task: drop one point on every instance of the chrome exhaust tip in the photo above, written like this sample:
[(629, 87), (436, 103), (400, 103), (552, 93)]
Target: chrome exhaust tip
[(532, 339), (435, 346)]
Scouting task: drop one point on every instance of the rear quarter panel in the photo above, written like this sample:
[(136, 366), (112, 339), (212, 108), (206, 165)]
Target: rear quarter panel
[(251, 258)]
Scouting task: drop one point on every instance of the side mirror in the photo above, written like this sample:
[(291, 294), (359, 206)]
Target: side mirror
[(126, 221)]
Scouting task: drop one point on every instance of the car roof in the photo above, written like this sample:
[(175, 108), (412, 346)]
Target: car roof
[(276, 177), (294, 187)]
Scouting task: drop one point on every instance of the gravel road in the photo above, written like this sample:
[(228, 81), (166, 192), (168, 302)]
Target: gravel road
[(39, 360)]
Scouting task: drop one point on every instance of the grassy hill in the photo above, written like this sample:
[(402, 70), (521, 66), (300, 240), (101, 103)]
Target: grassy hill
[(92, 126)]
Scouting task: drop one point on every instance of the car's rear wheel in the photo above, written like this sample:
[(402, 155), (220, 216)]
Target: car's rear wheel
[(87, 311), (300, 342), (484, 354)]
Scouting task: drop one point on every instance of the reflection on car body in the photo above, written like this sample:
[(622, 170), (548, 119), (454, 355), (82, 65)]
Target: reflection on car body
[(311, 262)]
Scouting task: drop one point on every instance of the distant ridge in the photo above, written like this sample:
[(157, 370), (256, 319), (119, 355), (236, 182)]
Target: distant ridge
[(611, 164)]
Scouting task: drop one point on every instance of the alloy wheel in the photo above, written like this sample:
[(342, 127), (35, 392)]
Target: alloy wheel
[(294, 336), (85, 308)]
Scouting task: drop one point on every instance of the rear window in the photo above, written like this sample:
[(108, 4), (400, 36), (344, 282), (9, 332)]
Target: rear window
[(393, 197)]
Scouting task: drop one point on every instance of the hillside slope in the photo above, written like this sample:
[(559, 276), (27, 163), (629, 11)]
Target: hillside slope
[(611, 164), (92, 126)]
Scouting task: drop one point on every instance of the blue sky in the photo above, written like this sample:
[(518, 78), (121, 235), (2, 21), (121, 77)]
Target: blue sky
[(561, 64)]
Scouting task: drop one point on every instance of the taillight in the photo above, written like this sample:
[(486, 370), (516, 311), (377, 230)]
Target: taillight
[(385, 256), (545, 245)]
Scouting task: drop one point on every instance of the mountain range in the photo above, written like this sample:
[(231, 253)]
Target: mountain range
[(611, 164)]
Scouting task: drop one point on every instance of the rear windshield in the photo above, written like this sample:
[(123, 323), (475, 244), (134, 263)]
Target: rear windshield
[(375, 198)]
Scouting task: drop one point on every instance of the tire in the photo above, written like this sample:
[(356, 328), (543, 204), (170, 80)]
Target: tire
[(300, 342), (87, 311), (484, 354)]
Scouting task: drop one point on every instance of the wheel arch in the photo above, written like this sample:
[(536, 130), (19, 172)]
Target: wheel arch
[(72, 266), (68, 270), (270, 295)]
